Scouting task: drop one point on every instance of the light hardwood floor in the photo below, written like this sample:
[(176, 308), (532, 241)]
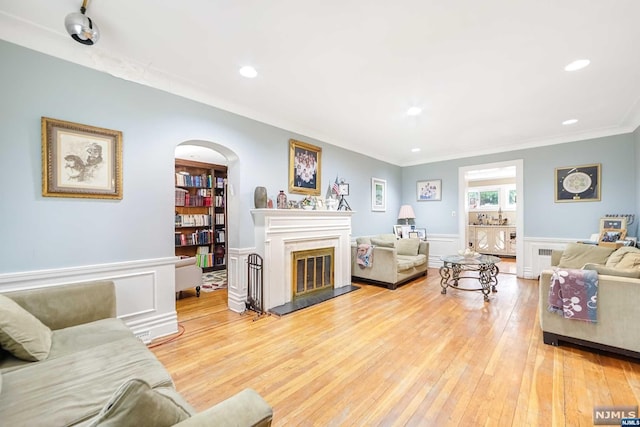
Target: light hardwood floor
[(392, 358)]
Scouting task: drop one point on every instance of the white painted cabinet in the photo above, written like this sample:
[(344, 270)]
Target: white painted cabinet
[(493, 239)]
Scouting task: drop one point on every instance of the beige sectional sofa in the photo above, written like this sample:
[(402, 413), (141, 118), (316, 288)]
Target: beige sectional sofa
[(618, 319), (394, 261), (85, 367)]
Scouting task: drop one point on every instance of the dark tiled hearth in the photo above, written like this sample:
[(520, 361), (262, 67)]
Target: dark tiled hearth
[(312, 299)]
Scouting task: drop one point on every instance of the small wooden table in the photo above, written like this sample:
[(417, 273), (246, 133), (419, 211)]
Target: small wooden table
[(485, 265)]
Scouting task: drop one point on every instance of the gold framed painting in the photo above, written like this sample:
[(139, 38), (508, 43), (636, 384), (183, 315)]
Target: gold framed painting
[(80, 160), (578, 183), (305, 165)]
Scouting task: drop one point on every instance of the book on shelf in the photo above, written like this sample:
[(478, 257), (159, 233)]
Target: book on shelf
[(198, 237), (195, 220), (185, 179), (204, 260)]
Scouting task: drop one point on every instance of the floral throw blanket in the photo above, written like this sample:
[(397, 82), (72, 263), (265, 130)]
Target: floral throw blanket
[(364, 255), (573, 294)]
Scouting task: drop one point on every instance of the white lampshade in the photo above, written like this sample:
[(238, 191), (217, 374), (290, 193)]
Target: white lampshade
[(406, 213)]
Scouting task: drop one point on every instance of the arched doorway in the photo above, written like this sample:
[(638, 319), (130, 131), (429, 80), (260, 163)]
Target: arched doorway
[(216, 158)]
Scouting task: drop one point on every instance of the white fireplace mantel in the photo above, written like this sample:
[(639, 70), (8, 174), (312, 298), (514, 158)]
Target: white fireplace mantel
[(279, 232)]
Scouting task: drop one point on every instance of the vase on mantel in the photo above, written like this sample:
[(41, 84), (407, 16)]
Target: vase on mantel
[(260, 197), (282, 200)]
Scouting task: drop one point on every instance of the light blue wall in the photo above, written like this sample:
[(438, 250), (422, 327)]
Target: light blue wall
[(542, 216), (42, 232)]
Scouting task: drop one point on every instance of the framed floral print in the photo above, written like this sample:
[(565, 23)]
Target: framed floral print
[(378, 194), (429, 190)]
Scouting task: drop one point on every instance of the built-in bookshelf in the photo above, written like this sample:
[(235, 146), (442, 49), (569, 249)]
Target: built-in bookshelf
[(200, 213)]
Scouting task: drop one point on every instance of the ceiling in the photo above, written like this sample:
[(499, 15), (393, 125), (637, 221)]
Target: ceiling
[(488, 75)]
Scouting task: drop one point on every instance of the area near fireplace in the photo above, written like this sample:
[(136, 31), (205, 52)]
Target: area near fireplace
[(281, 233)]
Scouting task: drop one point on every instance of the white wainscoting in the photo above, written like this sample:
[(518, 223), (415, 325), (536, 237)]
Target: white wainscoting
[(533, 260), (237, 278), (145, 290), (537, 256), (442, 244)]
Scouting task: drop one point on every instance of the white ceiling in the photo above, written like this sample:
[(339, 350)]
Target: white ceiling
[(489, 75), (200, 154)]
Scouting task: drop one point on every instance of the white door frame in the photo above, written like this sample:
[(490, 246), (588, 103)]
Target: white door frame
[(463, 217)]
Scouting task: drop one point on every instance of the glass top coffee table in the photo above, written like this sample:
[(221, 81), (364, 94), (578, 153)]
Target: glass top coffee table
[(485, 265)]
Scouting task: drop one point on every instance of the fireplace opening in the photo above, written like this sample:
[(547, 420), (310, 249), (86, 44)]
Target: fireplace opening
[(312, 270)]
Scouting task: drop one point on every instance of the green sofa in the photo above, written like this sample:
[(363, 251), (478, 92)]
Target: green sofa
[(90, 369), (394, 261), (618, 319)]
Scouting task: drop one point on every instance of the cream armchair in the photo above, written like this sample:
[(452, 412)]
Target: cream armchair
[(394, 261), (188, 275)]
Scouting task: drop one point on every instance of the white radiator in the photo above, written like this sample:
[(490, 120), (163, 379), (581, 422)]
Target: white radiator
[(541, 256)]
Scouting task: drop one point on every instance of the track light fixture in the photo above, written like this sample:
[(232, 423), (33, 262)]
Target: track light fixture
[(81, 28)]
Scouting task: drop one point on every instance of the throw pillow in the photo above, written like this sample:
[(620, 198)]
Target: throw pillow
[(576, 255), (21, 333), (633, 273), (387, 236), (408, 246), (630, 260), (136, 404), (620, 253), (363, 240), (382, 243)]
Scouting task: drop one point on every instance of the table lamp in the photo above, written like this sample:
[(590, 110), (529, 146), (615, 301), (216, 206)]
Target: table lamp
[(406, 213)]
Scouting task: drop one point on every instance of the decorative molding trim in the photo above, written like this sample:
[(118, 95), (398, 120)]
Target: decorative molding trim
[(440, 245), (34, 275), (237, 278), (145, 290), (536, 262)]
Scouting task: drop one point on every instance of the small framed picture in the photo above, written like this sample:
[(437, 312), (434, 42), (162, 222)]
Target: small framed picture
[(413, 235), (80, 160), (406, 230), (429, 190), (397, 230), (378, 194), (616, 223), (422, 233), (611, 235)]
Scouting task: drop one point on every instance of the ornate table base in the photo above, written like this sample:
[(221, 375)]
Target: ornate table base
[(485, 265)]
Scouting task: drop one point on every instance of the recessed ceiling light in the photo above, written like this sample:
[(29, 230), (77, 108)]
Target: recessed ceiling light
[(414, 111), (415, 150), (248, 72), (577, 65), (570, 122)]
